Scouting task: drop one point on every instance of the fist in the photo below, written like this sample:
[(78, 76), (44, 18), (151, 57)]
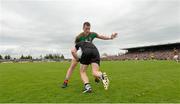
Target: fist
[(114, 35)]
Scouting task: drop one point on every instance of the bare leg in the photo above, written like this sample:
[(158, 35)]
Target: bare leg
[(71, 68), (95, 70), (84, 77), (102, 76), (69, 72), (83, 74)]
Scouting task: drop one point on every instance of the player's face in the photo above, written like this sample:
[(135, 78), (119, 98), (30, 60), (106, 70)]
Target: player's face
[(86, 29)]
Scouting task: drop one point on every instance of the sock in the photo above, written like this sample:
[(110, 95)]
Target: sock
[(65, 81), (86, 84), (101, 76)]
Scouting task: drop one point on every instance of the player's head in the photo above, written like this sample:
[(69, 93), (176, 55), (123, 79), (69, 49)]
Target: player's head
[(86, 27)]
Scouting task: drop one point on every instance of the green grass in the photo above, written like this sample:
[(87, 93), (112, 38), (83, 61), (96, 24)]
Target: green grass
[(131, 81)]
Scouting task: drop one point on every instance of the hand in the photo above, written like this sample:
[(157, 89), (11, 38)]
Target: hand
[(114, 35)]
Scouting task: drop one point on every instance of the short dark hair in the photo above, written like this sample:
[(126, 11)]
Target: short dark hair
[(86, 24)]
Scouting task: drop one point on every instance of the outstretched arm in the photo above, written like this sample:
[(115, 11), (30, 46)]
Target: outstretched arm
[(105, 37)]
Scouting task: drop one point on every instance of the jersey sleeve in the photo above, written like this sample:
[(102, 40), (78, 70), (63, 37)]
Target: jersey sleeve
[(94, 35), (77, 46), (77, 40)]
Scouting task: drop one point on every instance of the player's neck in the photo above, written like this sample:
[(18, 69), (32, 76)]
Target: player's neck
[(84, 34)]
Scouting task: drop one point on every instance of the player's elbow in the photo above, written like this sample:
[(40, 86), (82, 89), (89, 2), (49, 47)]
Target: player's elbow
[(73, 50)]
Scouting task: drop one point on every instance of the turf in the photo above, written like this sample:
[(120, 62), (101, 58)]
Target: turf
[(131, 81)]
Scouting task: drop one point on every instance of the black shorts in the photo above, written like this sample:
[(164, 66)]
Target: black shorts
[(90, 55)]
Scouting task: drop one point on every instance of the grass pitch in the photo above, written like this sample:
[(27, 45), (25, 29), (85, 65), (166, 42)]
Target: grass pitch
[(130, 81)]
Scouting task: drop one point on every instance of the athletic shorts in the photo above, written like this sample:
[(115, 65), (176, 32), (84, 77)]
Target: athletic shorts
[(90, 55)]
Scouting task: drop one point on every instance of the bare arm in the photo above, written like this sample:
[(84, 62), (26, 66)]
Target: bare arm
[(105, 37), (74, 54)]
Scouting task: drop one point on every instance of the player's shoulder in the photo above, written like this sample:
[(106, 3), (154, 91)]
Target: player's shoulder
[(94, 34), (77, 39), (80, 35)]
